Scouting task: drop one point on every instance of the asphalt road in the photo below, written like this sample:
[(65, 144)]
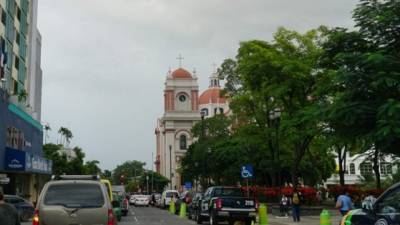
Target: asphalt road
[(155, 216), (149, 216), (152, 216)]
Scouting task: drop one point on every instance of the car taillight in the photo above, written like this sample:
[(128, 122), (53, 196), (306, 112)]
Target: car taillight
[(111, 218), (35, 220), (218, 203)]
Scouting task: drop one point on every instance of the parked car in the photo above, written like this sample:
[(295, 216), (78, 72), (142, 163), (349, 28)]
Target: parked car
[(141, 200), (155, 199), (386, 210), (194, 205), (226, 204), (70, 199), (167, 196), (24, 207), (132, 199)]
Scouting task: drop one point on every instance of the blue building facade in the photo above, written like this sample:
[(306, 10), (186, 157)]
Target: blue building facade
[(21, 151)]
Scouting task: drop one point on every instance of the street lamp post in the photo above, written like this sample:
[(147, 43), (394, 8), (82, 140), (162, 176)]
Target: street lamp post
[(170, 166), (275, 116)]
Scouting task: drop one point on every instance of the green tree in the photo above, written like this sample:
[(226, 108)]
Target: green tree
[(92, 167), (129, 170), (281, 75), (365, 77)]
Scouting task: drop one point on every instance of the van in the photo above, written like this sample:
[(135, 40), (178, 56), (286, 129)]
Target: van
[(70, 199), (167, 196)]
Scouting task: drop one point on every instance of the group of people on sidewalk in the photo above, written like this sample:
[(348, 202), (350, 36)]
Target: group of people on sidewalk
[(294, 200), (344, 203)]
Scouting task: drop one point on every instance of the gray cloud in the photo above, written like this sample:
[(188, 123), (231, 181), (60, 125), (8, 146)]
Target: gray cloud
[(105, 62)]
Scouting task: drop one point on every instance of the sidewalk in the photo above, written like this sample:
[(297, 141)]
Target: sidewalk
[(305, 220)]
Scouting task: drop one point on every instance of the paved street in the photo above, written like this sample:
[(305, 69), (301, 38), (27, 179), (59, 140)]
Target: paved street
[(154, 216)]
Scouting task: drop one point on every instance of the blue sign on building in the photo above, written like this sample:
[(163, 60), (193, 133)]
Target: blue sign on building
[(21, 161), (15, 160), (247, 171)]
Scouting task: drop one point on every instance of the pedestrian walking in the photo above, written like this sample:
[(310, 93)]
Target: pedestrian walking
[(284, 205), (8, 213), (295, 202), (344, 203)]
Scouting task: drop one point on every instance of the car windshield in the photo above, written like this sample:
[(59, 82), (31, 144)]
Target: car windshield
[(232, 192), (74, 195)]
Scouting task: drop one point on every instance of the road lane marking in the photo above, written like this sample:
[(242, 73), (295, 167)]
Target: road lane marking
[(136, 220)]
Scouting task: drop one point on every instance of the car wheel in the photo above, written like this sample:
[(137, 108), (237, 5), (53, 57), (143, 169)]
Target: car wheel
[(124, 213), (213, 219), (198, 218)]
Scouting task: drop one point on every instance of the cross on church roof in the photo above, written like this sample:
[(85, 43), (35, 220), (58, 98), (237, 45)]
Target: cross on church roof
[(180, 58), (214, 67)]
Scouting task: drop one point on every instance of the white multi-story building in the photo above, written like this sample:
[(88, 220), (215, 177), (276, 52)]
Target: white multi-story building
[(361, 164), (34, 76)]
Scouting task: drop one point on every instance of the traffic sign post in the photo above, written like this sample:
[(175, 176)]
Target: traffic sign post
[(247, 173)]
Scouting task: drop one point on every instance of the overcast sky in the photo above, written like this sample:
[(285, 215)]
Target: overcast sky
[(105, 61)]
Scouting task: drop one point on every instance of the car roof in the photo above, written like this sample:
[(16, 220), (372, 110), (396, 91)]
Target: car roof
[(74, 182)]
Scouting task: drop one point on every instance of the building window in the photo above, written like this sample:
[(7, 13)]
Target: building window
[(16, 65), (3, 16), (366, 169), (215, 111), (182, 142), (18, 14), (221, 110), (352, 168), (204, 112), (386, 168), (17, 38), (15, 138)]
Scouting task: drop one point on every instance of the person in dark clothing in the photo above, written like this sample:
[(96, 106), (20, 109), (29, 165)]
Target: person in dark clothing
[(8, 213)]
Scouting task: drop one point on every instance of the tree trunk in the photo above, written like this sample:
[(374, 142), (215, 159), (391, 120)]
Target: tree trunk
[(376, 169), (342, 163)]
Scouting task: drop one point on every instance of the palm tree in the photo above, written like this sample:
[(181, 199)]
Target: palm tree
[(47, 128), (66, 135)]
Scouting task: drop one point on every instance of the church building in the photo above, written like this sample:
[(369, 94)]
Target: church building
[(182, 110)]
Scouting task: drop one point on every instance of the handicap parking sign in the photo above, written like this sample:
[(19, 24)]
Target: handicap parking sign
[(247, 171)]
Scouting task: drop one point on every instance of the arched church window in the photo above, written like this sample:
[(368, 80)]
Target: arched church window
[(182, 142), (221, 110), (352, 168), (204, 112)]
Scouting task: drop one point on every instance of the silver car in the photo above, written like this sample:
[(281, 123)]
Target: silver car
[(70, 200)]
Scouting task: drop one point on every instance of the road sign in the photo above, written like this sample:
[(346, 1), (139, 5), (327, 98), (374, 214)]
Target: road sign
[(247, 171), (188, 185)]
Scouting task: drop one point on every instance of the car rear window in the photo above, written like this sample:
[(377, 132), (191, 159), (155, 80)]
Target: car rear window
[(170, 194), (231, 192), (74, 195)]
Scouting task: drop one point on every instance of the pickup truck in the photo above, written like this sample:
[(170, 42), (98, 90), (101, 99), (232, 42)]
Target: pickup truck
[(226, 204)]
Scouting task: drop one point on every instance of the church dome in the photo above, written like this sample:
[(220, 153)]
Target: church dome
[(212, 95), (181, 74)]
